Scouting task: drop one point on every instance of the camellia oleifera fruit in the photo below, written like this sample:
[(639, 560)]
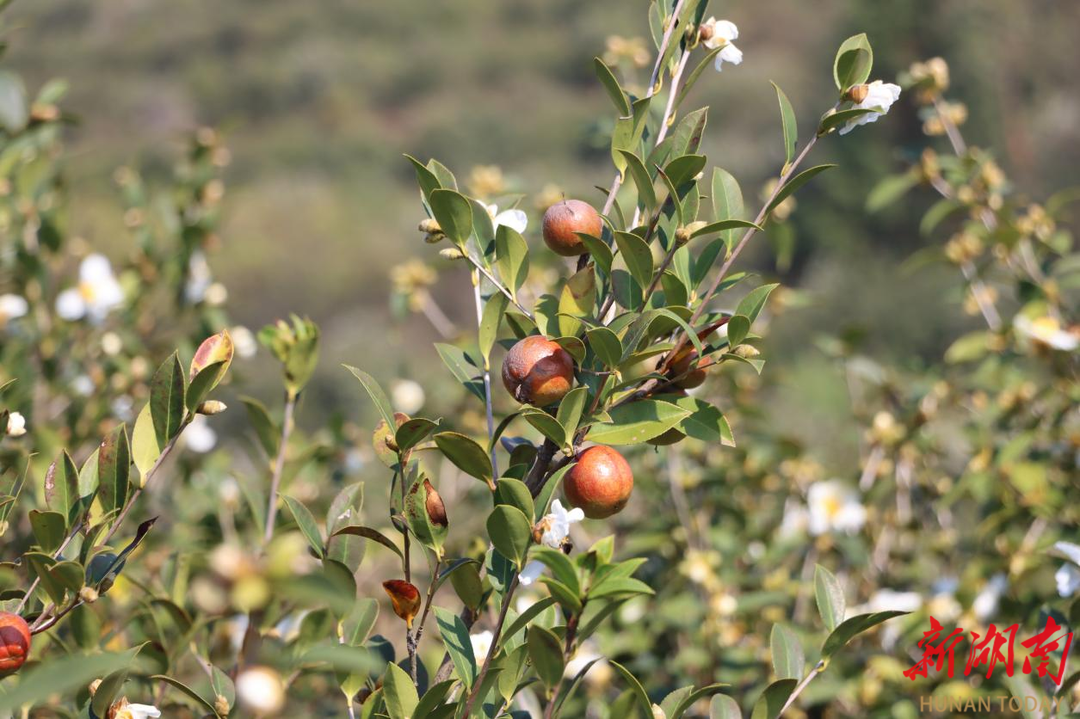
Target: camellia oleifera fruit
[(563, 219), (14, 642), (538, 371), (600, 482)]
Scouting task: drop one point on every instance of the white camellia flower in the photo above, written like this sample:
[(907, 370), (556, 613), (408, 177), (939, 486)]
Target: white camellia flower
[(199, 278), (198, 437), (137, 711), (1047, 331), (721, 34), (481, 645), (260, 690), (1067, 578), (514, 219), (880, 96), (244, 341), (12, 307), (407, 396), (834, 508), (987, 600), (97, 294), (16, 425), (556, 528)]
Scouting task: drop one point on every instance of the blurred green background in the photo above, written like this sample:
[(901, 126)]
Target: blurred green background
[(318, 101)]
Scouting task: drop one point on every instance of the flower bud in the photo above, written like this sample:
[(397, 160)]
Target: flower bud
[(451, 253), (211, 407), (405, 598), (705, 32), (436, 510), (430, 226), (857, 93), (746, 351), (682, 236), (221, 705), (88, 595)]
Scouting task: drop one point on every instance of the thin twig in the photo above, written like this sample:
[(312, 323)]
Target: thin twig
[(802, 685), (498, 285), (496, 634), (279, 468), (568, 652)]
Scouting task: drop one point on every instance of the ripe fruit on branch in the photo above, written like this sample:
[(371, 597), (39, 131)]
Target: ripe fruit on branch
[(538, 371), (600, 483), (14, 642), (565, 218)]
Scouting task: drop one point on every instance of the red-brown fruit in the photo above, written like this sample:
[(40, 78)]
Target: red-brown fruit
[(600, 483), (14, 642), (565, 218), (538, 371)]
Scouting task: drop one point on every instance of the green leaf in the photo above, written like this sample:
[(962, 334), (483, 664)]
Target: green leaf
[(686, 138), (787, 119), (49, 529), (751, 305), (569, 413), (724, 226), (466, 454), (853, 63), (705, 421), (369, 533), (427, 530), (306, 523), (727, 201), (605, 344), (738, 328), (434, 699), (63, 674), (599, 250), (794, 184), (724, 707), (830, 597), (853, 627), (523, 619), (693, 697), (637, 255), (465, 578), (545, 651), (114, 466), (454, 214), (637, 422), (492, 316), (425, 178), (145, 449), (890, 189), (467, 372), (644, 704), (773, 699), (840, 118), (357, 625), (546, 425), (548, 491), (615, 92), (88, 475), (399, 693), (510, 532), (265, 428), (787, 653), (613, 585), (683, 169), (167, 399), (937, 213), (62, 486), (565, 596), (455, 637), (561, 567), (577, 299), (670, 703), (441, 171), (514, 493), (511, 258), (386, 411), (642, 180), (706, 62)]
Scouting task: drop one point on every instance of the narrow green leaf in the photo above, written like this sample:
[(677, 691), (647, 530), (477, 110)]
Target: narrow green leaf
[(511, 257), (637, 422), (830, 597), (62, 486), (853, 627), (637, 255), (788, 659), (751, 305), (382, 404), (545, 651), (167, 399), (399, 693), (466, 454), (794, 184), (510, 531), (642, 180), (454, 214), (114, 466), (787, 119), (614, 90), (306, 522), (494, 309), (455, 637)]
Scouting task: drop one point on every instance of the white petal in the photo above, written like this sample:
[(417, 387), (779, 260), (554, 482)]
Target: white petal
[(12, 306), (95, 268), (514, 219), (1067, 578), (143, 711), (727, 30), (70, 305), (575, 515), (530, 573), (1068, 550), (731, 54)]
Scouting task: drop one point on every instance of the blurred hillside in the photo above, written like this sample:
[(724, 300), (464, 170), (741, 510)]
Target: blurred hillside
[(319, 101)]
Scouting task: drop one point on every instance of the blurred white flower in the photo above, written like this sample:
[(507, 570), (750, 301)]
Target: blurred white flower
[(244, 341), (137, 711), (237, 628), (481, 645), (122, 406), (198, 437), (97, 294), (884, 600), (556, 527), (260, 690), (796, 521), (407, 396), (599, 673), (1068, 550), (721, 34), (16, 425), (944, 607), (111, 344), (834, 508), (1047, 331), (986, 601), (514, 219), (1067, 578), (199, 278), (12, 307), (229, 492), (879, 97), (83, 385)]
